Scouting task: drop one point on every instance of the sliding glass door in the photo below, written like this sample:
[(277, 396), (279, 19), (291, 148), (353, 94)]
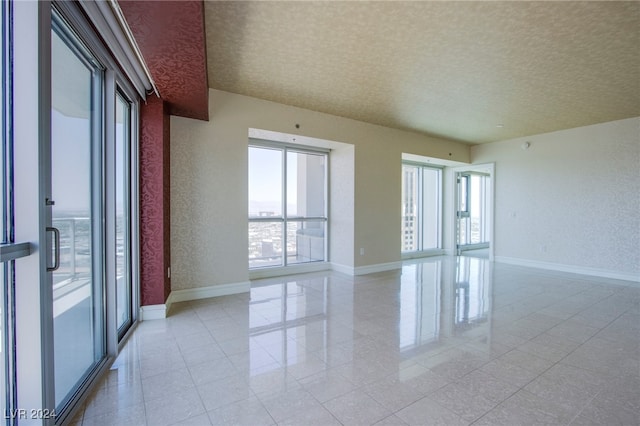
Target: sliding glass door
[(7, 283), (77, 264), (124, 290)]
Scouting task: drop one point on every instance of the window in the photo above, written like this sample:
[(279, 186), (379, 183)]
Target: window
[(421, 207), (287, 205)]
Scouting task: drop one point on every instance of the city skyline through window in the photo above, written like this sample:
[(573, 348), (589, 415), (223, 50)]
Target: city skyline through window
[(421, 207), (286, 206)]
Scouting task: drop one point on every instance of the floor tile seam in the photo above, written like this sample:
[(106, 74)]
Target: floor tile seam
[(252, 394), (511, 396), (599, 373), (545, 371), (495, 378), (579, 344), (602, 328), (145, 399), (582, 344), (497, 405), (337, 396), (434, 402), (392, 412), (357, 388), (291, 417), (608, 339), (584, 407), (87, 417), (208, 412), (527, 383), (201, 384), (533, 355), (493, 406)]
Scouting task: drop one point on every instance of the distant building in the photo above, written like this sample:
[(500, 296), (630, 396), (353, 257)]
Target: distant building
[(409, 210)]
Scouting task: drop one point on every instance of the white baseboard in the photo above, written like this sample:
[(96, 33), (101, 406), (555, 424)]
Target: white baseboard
[(380, 267), (364, 270), (582, 270), (422, 254), (302, 268), (153, 312), (343, 269), (197, 293)]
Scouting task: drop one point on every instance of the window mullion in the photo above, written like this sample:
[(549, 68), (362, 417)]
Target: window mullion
[(420, 208), (284, 208)]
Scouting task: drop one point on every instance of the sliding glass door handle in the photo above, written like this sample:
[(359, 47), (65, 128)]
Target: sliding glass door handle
[(56, 244)]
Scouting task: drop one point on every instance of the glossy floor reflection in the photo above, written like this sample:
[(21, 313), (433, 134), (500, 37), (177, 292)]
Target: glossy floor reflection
[(443, 341)]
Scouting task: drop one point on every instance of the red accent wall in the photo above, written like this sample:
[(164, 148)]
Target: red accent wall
[(155, 247), (171, 37)]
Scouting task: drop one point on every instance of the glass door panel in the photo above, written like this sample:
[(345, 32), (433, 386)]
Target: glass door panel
[(410, 203), (76, 213), (124, 311), (472, 214), (421, 208), (430, 208)]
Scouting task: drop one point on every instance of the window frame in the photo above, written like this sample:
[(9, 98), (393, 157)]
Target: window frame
[(9, 249), (128, 207), (284, 218)]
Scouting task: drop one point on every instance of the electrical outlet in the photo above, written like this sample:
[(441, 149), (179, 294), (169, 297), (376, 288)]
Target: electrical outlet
[(169, 272), (361, 251)]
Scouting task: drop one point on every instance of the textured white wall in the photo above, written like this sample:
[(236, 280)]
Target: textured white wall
[(209, 185), (341, 205), (572, 198)]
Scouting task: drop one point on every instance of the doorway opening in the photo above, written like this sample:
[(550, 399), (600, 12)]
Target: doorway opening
[(474, 201)]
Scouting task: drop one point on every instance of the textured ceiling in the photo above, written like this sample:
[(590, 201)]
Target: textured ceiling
[(451, 69), (171, 37)]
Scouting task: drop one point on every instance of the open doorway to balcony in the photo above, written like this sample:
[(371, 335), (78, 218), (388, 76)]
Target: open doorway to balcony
[(474, 220)]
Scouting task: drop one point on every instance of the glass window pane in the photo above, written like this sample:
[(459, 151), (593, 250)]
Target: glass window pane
[(3, 345), (265, 244), (305, 184), (305, 241), (7, 306), (123, 255), (464, 196), (477, 209), (409, 208), (265, 182), (430, 208), (280, 243), (77, 289)]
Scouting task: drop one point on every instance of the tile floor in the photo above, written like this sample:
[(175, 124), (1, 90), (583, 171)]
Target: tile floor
[(448, 341)]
